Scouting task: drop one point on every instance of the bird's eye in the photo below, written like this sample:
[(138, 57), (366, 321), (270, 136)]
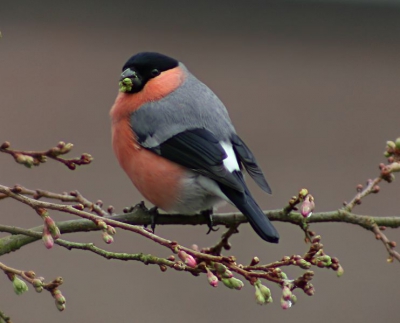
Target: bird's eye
[(155, 72)]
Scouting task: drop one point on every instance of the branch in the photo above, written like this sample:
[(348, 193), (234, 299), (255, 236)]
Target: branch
[(4, 318), (210, 261), (141, 216), (35, 158), (19, 277), (389, 245)]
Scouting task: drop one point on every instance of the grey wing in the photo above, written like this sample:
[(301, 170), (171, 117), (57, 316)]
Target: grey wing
[(192, 106)]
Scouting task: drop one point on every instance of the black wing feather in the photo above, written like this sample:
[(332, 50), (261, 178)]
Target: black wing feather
[(248, 160), (200, 151), (249, 207)]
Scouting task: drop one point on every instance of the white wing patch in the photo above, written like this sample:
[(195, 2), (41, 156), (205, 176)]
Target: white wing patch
[(230, 162)]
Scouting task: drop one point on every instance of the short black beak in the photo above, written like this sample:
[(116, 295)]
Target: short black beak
[(130, 81), (128, 73)]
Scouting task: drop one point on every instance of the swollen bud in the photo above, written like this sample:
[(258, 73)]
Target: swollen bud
[(236, 283), (111, 230), (390, 144), (37, 284), (286, 293), (58, 296), (303, 264), (260, 299), (187, 259), (212, 279), (303, 193), (227, 274), (265, 291), (220, 268), (285, 304), (66, 148), (47, 238), (107, 238), (340, 271), (232, 283), (60, 307), (307, 207), (397, 143), (19, 285), (52, 227)]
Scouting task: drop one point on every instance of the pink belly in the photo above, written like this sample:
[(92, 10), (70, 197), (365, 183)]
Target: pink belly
[(156, 178)]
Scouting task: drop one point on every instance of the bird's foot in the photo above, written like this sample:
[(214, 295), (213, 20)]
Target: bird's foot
[(153, 216), (210, 223)]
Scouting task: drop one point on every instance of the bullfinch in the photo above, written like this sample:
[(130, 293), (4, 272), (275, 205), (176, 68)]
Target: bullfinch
[(174, 139)]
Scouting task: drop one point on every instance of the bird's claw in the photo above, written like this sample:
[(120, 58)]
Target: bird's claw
[(153, 216), (210, 223)]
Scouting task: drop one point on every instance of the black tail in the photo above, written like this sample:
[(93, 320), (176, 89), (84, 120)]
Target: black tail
[(249, 207)]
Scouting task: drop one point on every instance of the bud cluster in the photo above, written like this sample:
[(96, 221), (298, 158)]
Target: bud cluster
[(307, 203), (107, 231), (262, 293), (393, 150)]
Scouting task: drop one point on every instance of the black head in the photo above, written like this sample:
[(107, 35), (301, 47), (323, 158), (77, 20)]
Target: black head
[(142, 67)]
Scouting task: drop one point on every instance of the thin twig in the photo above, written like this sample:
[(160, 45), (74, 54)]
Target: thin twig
[(31, 158), (389, 245), (4, 318)]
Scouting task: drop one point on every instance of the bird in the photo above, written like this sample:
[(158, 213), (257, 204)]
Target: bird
[(174, 139)]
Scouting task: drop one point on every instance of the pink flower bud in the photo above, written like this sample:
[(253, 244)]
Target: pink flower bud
[(52, 227), (308, 205), (212, 279), (107, 238), (285, 304), (187, 259), (286, 293), (47, 238)]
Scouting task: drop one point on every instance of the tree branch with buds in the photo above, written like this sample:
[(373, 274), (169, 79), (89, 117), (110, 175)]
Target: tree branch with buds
[(208, 261)]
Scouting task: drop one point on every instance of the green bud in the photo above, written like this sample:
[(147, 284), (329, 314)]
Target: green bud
[(236, 283), (269, 300), (397, 143), (227, 274), (391, 144), (303, 192), (60, 307), (19, 285), (38, 285), (387, 154), (125, 85), (265, 291), (260, 299), (340, 271), (293, 299), (326, 260), (227, 282), (303, 264), (220, 268)]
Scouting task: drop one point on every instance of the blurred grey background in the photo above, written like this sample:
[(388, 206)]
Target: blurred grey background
[(313, 88)]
